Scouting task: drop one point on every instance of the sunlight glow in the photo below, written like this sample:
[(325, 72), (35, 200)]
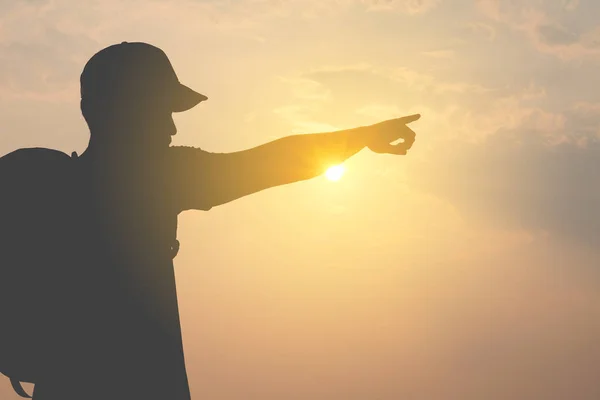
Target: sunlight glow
[(335, 173)]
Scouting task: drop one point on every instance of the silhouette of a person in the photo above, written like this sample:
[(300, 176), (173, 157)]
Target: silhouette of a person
[(122, 338)]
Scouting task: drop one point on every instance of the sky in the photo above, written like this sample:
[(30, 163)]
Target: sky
[(467, 269)]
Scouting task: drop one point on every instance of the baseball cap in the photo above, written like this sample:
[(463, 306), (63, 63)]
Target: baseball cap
[(136, 71)]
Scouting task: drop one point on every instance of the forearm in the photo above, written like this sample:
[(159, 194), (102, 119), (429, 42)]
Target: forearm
[(300, 157)]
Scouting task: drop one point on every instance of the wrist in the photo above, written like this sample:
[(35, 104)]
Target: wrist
[(360, 136)]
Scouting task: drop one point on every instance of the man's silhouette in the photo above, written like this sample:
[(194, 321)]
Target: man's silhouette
[(120, 337)]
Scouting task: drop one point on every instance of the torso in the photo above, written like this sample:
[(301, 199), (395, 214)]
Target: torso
[(125, 330)]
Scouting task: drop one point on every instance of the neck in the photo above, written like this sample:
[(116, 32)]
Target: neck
[(122, 152), (103, 150)]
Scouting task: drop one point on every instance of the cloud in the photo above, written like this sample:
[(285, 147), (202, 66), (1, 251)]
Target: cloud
[(411, 78), (482, 29), (549, 30), (558, 41), (44, 44), (40, 59), (380, 111), (307, 89), (301, 118), (570, 5), (555, 35), (46, 69), (348, 95), (410, 7), (518, 179), (440, 54)]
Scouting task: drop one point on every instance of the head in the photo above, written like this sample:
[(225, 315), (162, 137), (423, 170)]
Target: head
[(129, 93)]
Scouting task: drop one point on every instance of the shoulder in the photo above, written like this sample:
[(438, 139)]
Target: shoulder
[(35, 154), (35, 167), (35, 179), (40, 159)]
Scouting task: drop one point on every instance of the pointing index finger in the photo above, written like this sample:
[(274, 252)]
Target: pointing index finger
[(409, 118)]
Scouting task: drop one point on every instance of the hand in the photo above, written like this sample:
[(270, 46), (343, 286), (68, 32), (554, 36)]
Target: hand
[(382, 135)]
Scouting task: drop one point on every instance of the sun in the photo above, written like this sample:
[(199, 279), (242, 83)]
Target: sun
[(335, 173)]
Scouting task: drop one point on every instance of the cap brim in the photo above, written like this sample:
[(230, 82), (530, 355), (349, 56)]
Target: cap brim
[(185, 98)]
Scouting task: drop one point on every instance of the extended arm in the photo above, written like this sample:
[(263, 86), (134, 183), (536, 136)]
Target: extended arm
[(222, 177), (286, 160)]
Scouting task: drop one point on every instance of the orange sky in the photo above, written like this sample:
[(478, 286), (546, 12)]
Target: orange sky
[(466, 270)]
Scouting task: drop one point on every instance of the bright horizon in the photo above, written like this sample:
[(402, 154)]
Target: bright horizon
[(467, 269)]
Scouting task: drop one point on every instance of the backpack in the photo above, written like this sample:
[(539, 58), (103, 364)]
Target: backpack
[(34, 220), (38, 209)]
